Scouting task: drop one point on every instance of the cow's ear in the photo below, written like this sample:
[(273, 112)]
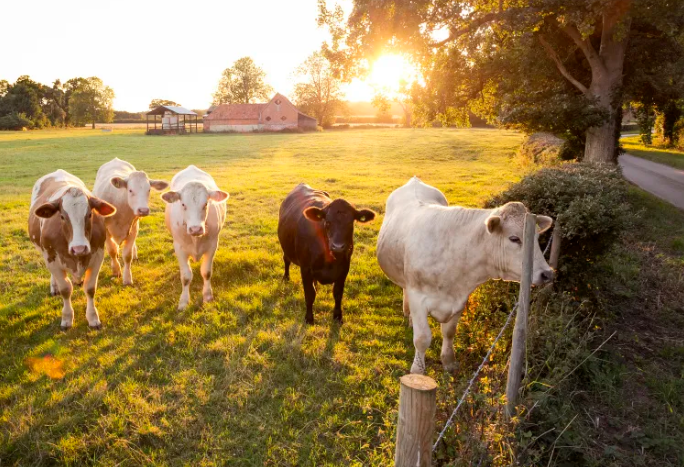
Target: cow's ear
[(218, 195), (102, 207), (314, 214), (544, 223), (493, 222), (47, 210), (119, 182), (159, 185), (364, 215), (171, 196)]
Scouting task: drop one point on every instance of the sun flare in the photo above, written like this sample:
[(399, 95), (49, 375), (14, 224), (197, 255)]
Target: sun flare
[(386, 75)]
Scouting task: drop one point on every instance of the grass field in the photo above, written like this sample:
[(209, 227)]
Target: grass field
[(241, 380), (635, 147)]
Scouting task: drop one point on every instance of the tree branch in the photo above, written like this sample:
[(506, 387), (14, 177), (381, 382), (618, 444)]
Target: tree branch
[(592, 56), (472, 25), (559, 64)]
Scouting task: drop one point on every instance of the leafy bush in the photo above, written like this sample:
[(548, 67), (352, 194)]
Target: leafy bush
[(542, 148), (589, 202), (15, 121)]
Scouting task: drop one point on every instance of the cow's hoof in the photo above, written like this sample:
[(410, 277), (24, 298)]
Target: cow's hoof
[(182, 306), (128, 283), (451, 368), (54, 293), (286, 278), (309, 322), (208, 299), (97, 327), (65, 328), (338, 320)]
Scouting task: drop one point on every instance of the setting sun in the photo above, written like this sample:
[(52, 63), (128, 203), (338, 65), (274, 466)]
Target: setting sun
[(386, 74)]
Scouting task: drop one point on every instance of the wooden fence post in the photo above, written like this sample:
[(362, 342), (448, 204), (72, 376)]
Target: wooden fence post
[(555, 246), (520, 330), (417, 405)]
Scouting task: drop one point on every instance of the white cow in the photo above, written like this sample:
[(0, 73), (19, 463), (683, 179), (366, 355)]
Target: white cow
[(195, 213), (71, 242), (440, 254), (118, 183)]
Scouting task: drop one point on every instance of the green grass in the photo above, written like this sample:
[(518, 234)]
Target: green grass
[(635, 147), (240, 381)]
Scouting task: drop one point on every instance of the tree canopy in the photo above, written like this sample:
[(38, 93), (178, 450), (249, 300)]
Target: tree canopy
[(556, 65), (91, 101), (154, 103), (318, 93), (242, 83)]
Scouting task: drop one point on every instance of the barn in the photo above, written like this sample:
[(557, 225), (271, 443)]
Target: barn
[(275, 115)]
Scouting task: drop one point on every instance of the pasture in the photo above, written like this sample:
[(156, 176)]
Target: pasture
[(242, 380)]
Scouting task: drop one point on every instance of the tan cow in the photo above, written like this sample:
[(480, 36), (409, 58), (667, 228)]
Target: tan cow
[(71, 242), (195, 214), (440, 254), (127, 189)]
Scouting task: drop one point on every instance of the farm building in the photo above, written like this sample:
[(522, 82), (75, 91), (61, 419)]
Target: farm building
[(173, 120), (275, 115)]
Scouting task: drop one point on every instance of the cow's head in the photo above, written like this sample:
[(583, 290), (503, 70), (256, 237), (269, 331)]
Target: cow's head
[(338, 220), (195, 198), (138, 188), (506, 225), (75, 208)]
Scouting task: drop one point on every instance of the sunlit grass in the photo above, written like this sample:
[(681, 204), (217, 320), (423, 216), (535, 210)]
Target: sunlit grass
[(667, 156), (242, 380)]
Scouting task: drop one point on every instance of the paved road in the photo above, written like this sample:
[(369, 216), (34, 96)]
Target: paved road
[(662, 180)]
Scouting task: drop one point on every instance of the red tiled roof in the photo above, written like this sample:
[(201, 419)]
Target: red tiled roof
[(236, 112)]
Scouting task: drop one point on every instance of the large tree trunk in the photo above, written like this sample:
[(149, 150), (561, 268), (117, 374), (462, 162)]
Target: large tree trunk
[(606, 82)]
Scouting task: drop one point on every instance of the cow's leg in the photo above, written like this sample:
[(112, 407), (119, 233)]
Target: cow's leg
[(448, 333), (338, 293), (421, 333), (113, 251), (309, 294), (135, 250), (65, 288), (54, 288), (286, 276), (89, 287), (206, 270), (407, 309), (185, 274), (128, 249)]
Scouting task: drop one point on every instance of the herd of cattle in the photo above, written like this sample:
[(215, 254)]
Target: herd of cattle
[(436, 253)]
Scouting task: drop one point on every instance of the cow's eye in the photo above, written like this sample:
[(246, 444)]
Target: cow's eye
[(515, 239), (62, 216), (130, 191)]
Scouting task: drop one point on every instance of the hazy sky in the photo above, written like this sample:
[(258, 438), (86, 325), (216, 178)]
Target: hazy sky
[(156, 49)]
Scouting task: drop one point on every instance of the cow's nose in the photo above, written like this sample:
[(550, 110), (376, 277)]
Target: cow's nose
[(143, 211), (79, 250), (196, 230), (546, 276), (337, 248)]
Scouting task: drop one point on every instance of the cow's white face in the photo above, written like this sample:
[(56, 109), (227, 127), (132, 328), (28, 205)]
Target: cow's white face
[(194, 199), (75, 209), (507, 225), (138, 188)]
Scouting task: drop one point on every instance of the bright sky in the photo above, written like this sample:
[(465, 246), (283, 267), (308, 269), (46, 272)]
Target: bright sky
[(169, 50)]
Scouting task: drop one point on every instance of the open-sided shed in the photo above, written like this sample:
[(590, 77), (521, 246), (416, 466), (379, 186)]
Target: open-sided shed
[(173, 120)]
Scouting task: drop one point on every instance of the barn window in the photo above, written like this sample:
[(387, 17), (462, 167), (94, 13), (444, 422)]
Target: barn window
[(268, 119), (277, 101), (283, 118)]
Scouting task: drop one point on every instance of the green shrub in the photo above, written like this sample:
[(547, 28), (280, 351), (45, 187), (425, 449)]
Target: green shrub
[(15, 121), (589, 202)]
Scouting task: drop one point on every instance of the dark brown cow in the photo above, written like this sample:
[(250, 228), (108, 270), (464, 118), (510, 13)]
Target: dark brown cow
[(72, 241), (317, 234)]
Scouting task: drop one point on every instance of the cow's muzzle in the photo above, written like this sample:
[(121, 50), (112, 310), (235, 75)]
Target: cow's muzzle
[(142, 212), (196, 230), (79, 250), (544, 277)]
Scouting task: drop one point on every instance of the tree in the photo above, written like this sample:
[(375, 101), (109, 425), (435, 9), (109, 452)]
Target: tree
[(242, 83), (382, 104), (319, 93), (511, 55), (4, 86), (157, 102), (24, 101), (91, 101)]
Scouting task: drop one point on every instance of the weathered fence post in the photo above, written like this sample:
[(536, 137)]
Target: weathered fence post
[(555, 246), (417, 405), (520, 330)]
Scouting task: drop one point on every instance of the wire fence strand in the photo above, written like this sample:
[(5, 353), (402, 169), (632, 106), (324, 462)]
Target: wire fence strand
[(472, 380)]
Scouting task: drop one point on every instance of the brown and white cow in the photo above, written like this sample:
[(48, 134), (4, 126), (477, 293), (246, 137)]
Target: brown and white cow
[(66, 224), (439, 255), (128, 190), (195, 214)]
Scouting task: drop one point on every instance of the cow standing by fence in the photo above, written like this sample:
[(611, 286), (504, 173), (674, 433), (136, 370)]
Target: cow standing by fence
[(440, 254)]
